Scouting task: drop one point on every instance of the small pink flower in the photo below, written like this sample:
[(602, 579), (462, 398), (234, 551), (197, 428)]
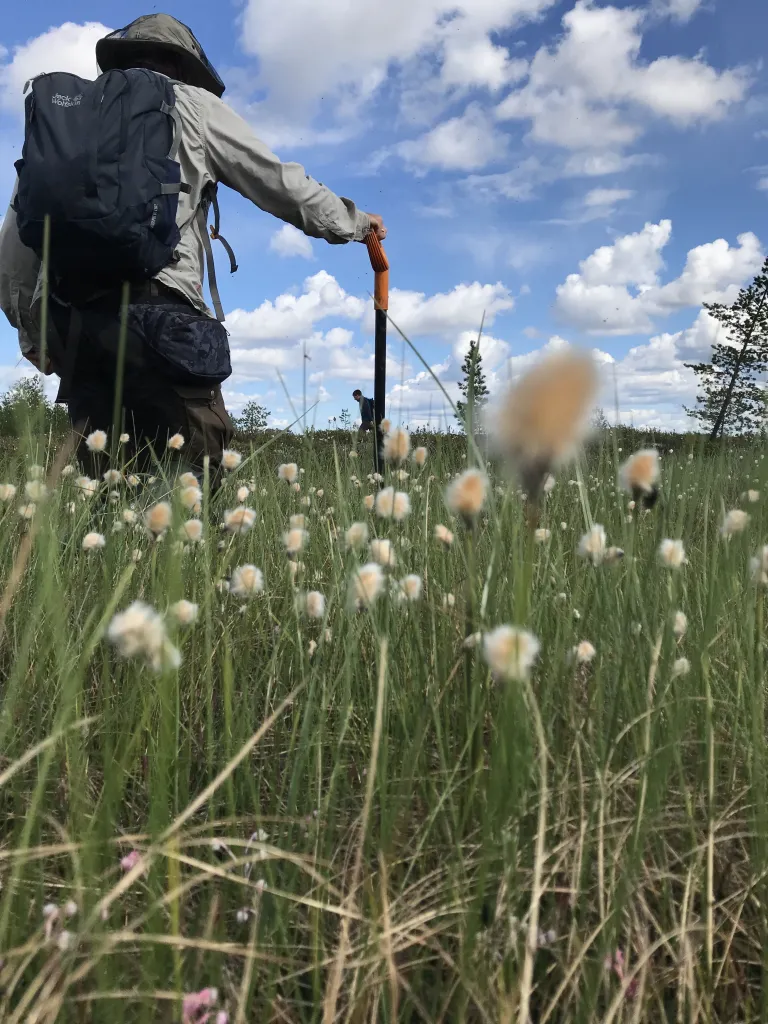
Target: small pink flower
[(130, 860), (195, 1005)]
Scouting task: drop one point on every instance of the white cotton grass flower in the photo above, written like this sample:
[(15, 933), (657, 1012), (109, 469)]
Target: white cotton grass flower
[(176, 442), (368, 502), (139, 632), (383, 552), (246, 581), (758, 567), (35, 490), (397, 444), (449, 600), (191, 498), (288, 471), (541, 535), (184, 612), (36, 472), (443, 535), (467, 494), (242, 493), (129, 516), (510, 652), (231, 460), (385, 426), (409, 588), (583, 652), (402, 475), (672, 553), (93, 541), (188, 480), (112, 477), (367, 583), (680, 624), (298, 521), (28, 510), (239, 520), (544, 416), (86, 486), (592, 545), (294, 541), (7, 492), (296, 487), (192, 531), (639, 476), (420, 456), (97, 441), (680, 667), (751, 496), (68, 470), (356, 536), (158, 517), (314, 604), (132, 480), (124, 438), (549, 484), (735, 521), (401, 506)]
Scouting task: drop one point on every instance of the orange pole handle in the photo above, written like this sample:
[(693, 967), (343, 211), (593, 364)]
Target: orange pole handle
[(380, 265)]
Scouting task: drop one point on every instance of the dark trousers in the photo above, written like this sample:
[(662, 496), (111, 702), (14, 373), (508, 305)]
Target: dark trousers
[(154, 405)]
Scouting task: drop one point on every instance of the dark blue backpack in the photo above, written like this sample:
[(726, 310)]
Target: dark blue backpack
[(99, 160)]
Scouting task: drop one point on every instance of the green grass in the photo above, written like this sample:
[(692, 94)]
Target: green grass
[(419, 815)]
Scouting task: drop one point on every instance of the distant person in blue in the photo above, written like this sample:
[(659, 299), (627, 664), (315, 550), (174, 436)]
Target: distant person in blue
[(366, 411)]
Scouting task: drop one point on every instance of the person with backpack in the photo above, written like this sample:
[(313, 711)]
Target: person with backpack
[(366, 411), (111, 203)]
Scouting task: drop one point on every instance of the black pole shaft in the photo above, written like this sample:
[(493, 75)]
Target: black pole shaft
[(380, 382)]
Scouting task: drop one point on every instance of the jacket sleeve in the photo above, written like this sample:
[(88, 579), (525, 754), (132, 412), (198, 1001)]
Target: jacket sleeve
[(239, 159), (19, 272)]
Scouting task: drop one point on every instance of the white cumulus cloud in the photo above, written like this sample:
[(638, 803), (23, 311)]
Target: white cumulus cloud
[(289, 241), (68, 47), (617, 289), (591, 89)]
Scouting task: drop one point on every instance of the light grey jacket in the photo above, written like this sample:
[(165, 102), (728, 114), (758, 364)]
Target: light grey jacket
[(217, 145)]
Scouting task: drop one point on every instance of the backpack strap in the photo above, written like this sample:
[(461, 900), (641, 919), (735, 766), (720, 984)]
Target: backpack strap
[(209, 198), (172, 112)]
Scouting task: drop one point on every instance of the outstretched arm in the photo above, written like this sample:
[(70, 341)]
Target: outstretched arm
[(239, 159)]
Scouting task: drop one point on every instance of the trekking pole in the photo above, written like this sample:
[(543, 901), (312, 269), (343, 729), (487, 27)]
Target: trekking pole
[(380, 266)]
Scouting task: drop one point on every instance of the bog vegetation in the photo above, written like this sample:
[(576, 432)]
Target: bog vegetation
[(425, 748)]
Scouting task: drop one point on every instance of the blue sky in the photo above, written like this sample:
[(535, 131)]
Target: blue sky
[(574, 172)]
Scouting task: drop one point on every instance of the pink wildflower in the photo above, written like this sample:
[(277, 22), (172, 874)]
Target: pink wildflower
[(130, 860)]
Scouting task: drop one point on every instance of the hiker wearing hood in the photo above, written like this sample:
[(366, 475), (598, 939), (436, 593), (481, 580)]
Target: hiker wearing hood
[(116, 183)]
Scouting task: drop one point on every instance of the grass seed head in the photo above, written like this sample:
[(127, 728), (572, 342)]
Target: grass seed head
[(467, 494), (176, 442), (288, 471), (397, 444), (735, 521), (93, 541), (639, 476), (544, 417), (7, 492), (672, 553), (420, 456), (294, 540), (409, 587), (510, 652), (443, 535), (298, 521), (246, 581), (184, 612), (239, 520), (592, 545), (158, 517), (680, 624), (584, 652), (191, 498), (315, 604), (681, 667), (192, 531), (97, 441), (356, 536), (368, 502), (230, 460), (383, 552), (367, 584)]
